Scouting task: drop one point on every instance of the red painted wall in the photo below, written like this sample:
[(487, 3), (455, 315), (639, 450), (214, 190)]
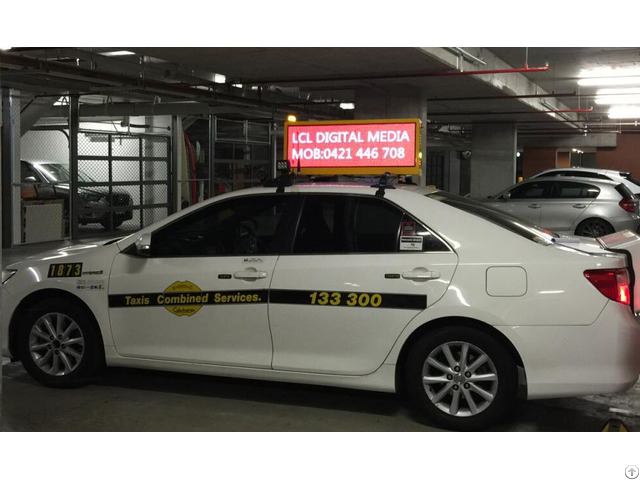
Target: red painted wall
[(535, 160), (563, 160), (625, 157)]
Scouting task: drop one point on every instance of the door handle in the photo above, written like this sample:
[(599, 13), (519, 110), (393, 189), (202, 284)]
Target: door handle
[(250, 275), (420, 275), (579, 205), (535, 205)]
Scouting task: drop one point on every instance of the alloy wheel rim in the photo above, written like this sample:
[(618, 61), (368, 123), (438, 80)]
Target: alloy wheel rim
[(593, 229), (460, 379), (56, 344)]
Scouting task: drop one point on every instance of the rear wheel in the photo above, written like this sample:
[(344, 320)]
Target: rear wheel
[(594, 227), (59, 345), (461, 378)]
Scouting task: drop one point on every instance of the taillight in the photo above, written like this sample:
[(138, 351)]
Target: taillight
[(612, 283), (628, 204)]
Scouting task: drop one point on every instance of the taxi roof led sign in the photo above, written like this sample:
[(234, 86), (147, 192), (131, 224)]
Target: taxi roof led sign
[(364, 147)]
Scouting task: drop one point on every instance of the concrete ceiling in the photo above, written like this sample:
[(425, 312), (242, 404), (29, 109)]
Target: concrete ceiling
[(312, 81)]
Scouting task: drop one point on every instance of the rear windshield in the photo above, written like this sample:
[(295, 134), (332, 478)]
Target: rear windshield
[(504, 220), (624, 191), (628, 177)]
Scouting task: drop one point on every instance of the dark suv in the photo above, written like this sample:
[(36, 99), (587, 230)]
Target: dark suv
[(48, 180)]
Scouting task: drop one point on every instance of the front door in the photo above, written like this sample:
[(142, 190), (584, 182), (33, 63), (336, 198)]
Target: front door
[(202, 294)]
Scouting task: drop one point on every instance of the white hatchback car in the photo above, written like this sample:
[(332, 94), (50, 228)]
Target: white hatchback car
[(390, 289)]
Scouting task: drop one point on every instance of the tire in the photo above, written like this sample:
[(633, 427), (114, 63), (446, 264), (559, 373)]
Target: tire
[(436, 376), (59, 344), (594, 227), (107, 224)]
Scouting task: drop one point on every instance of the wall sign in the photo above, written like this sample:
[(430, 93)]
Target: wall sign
[(354, 147)]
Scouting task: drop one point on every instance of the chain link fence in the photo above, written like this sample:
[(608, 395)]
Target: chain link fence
[(123, 183)]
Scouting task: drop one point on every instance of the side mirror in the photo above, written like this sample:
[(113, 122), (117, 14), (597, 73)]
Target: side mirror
[(506, 196), (143, 245), (30, 180)]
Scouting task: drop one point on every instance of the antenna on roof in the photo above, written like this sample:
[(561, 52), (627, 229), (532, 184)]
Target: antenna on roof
[(383, 184), (285, 179)]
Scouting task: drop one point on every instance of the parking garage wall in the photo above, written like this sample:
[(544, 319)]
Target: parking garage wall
[(536, 160), (624, 157)]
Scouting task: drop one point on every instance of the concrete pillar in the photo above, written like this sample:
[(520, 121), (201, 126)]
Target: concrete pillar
[(11, 202), (493, 159), (452, 163), (374, 103)]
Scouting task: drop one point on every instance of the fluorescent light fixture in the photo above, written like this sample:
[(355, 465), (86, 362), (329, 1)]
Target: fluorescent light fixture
[(618, 96), (624, 112), (117, 53), (348, 106), (609, 76), (609, 72), (219, 78), (609, 81), (237, 85)]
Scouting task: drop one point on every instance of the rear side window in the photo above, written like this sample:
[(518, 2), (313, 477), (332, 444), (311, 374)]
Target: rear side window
[(574, 190), (336, 224)]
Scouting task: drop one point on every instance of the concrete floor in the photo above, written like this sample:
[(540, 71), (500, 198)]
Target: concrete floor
[(140, 400)]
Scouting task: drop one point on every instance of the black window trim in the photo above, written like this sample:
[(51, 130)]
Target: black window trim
[(291, 231)]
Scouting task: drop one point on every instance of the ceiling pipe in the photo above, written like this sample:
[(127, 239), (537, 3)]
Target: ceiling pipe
[(385, 76), (507, 97), (146, 85), (519, 112)]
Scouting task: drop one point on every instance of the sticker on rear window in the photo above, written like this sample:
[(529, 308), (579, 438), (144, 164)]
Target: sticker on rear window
[(411, 243)]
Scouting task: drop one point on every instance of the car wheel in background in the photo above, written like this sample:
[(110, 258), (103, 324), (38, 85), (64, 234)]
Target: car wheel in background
[(594, 227), (461, 378), (59, 345)]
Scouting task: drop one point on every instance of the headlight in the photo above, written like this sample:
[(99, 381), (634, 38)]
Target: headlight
[(7, 274)]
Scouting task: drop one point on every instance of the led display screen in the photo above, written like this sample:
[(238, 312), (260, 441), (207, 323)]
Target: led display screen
[(354, 147)]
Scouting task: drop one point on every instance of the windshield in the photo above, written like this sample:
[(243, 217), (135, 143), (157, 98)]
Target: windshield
[(630, 178), (504, 220), (59, 173)]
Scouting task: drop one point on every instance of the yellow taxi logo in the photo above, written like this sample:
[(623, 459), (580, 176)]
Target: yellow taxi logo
[(183, 298)]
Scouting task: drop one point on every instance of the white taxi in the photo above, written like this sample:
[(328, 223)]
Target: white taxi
[(463, 308)]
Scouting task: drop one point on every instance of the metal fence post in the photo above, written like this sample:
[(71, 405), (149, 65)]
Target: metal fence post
[(74, 126)]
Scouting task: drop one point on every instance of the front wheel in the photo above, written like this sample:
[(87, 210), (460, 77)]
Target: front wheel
[(461, 378), (59, 345)]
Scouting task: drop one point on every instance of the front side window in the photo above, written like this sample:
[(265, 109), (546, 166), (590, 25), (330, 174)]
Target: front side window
[(530, 190), (253, 225)]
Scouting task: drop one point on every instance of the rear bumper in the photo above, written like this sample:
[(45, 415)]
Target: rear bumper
[(568, 361)]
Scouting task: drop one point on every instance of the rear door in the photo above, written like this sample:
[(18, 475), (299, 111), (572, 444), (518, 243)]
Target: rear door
[(567, 204), (360, 270)]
